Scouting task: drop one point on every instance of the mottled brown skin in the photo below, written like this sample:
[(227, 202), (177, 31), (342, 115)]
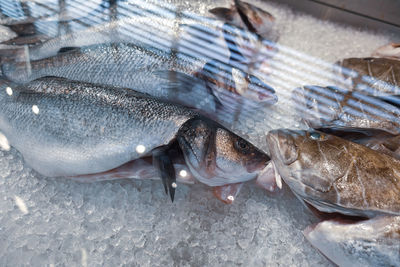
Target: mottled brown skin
[(336, 175), (377, 140), (383, 69), (334, 107)]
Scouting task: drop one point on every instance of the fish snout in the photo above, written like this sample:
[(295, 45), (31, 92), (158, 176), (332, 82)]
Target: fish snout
[(282, 145), (258, 163)]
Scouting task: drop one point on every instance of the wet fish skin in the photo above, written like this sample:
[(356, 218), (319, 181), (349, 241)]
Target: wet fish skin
[(335, 107), (150, 71), (377, 140), (374, 242), (71, 128), (218, 157), (121, 65), (82, 128), (375, 76), (336, 175)]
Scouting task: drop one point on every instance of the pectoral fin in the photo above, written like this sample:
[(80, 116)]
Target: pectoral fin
[(227, 193), (165, 167)]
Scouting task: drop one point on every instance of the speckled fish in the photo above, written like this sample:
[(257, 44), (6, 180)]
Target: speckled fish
[(377, 140), (375, 76), (334, 175), (151, 71), (335, 107), (70, 128)]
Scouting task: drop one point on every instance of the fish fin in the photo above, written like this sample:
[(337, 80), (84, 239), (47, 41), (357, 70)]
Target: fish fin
[(227, 193), (178, 80), (11, 54), (67, 49), (223, 13), (163, 163)]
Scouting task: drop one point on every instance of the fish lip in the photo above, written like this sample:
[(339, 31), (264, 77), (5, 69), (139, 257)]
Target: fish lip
[(256, 166), (268, 98), (273, 140)]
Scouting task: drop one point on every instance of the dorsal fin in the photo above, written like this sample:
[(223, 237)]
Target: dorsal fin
[(67, 49)]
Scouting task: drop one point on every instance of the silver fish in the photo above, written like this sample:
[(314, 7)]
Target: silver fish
[(152, 71), (70, 128), (374, 242)]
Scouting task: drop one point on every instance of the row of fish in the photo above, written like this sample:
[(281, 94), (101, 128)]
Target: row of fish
[(348, 170), (349, 165), (219, 159)]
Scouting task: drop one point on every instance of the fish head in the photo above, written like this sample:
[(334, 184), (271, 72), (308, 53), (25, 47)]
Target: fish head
[(230, 85), (335, 175), (246, 15), (216, 156), (308, 161), (252, 88)]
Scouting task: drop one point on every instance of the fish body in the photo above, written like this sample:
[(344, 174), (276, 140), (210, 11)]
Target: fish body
[(377, 140), (335, 107), (153, 71), (70, 128), (374, 76), (336, 175), (374, 242)]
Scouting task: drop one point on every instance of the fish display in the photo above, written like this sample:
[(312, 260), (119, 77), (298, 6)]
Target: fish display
[(334, 175), (71, 128), (374, 76), (336, 107)]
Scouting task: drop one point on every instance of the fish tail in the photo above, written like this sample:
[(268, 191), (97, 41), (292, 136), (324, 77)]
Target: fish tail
[(15, 64)]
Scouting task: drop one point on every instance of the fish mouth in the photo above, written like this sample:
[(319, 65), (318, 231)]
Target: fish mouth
[(256, 165), (282, 146), (261, 91)]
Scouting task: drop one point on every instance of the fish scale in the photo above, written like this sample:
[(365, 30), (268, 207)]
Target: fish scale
[(115, 123)]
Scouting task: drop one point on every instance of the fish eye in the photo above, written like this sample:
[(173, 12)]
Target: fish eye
[(316, 136), (242, 146)]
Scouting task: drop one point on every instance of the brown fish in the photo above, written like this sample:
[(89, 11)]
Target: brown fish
[(335, 175), (335, 107), (375, 76)]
